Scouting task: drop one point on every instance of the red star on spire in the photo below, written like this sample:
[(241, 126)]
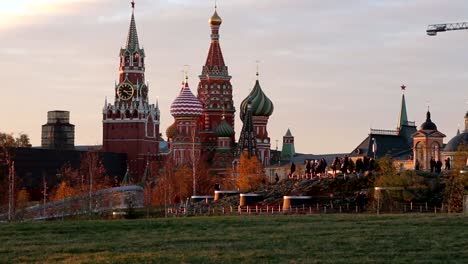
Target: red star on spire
[(133, 3), (403, 87)]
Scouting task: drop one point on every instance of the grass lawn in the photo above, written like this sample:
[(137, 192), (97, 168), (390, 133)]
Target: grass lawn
[(255, 239)]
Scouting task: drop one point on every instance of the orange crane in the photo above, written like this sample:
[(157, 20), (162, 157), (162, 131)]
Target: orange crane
[(432, 30)]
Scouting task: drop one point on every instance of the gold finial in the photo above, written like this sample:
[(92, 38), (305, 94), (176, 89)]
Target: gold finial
[(215, 19), (186, 73)]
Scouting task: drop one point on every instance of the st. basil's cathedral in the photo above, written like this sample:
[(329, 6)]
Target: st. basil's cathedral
[(203, 128)]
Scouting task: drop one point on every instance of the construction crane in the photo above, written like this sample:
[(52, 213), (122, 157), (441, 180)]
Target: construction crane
[(432, 30)]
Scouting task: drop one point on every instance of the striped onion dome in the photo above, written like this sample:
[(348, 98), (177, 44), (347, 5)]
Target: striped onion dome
[(186, 104), (171, 131), (224, 129), (261, 104)]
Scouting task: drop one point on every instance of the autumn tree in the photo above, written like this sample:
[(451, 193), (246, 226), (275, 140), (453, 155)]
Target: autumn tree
[(205, 179), (251, 175), (164, 187), (456, 181), (88, 178), (92, 173), (10, 140), (22, 198)]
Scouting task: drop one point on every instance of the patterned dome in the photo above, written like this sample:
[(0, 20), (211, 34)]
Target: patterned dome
[(171, 131), (224, 129), (261, 105), (186, 104), (428, 125)]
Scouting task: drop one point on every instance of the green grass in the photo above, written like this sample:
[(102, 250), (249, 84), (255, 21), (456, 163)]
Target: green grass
[(256, 239)]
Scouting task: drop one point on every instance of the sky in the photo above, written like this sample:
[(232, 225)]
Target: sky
[(333, 69)]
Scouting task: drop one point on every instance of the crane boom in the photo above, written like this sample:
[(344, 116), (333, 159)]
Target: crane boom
[(432, 30)]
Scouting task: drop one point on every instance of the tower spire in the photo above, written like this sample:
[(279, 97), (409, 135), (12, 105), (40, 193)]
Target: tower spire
[(403, 120), (132, 38), (258, 66)]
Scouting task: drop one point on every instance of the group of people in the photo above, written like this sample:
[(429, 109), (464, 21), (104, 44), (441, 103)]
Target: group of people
[(348, 166), (343, 165), (435, 166)]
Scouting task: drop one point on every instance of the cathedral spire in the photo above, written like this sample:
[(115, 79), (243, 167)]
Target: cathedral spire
[(403, 120), (247, 141), (215, 62)]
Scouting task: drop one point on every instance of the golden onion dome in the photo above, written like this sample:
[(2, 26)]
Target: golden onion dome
[(215, 19)]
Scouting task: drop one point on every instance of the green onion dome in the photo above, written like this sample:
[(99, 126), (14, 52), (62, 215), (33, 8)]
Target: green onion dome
[(171, 131), (224, 129), (261, 104)]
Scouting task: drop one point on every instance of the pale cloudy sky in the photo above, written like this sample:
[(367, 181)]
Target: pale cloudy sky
[(332, 68)]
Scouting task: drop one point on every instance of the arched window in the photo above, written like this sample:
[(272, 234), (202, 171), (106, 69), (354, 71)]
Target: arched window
[(435, 151), (136, 58), (419, 152)]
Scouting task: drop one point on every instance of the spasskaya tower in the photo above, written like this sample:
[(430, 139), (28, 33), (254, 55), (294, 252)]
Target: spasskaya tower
[(131, 123)]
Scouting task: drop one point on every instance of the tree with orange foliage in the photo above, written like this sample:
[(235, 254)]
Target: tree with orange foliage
[(90, 177), (251, 174), (22, 198), (64, 191), (205, 179)]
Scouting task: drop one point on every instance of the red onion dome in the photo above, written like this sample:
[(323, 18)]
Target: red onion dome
[(186, 104)]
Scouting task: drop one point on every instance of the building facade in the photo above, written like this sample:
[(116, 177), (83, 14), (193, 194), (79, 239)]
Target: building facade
[(214, 92), (427, 144), (215, 125), (261, 108), (58, 133), (184, 134), (130, 121)]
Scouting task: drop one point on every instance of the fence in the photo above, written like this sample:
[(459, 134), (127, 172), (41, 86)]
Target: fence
[(317, 208), (123, 197)]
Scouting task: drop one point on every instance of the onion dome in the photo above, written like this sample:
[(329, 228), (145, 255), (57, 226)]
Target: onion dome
[(186, 104), (215, 19), (171, 131), (224, 129), (428, 125), (261, 104)]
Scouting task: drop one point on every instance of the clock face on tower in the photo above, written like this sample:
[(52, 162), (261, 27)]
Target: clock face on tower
[(125, 91)]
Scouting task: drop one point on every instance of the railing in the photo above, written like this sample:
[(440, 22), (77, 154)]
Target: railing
[(384, 132), (317, 208)]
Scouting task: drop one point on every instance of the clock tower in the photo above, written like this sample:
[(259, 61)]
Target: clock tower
[(131, 123)]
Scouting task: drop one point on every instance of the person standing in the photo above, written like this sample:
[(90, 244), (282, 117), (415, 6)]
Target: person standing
[(432, 164), (439, 166), (447, 163)]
